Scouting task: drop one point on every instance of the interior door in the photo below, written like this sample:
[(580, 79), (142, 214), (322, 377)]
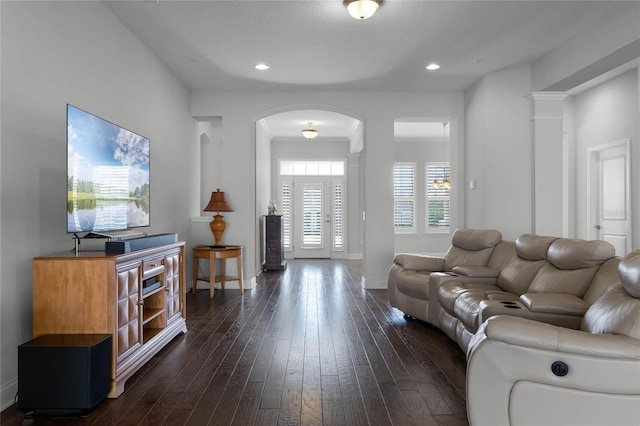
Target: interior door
[(610, 196), (312, 218)]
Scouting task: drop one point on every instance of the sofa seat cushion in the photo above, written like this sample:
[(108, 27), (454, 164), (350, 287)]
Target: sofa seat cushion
[(467, 305), (413, 283), (451, 290), (554, 303)]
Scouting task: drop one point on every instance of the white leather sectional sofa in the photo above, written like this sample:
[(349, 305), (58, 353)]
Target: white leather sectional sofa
[(551, 326)]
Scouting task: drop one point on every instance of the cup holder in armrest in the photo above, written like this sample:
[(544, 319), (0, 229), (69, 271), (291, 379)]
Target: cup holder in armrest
[(510, 304)]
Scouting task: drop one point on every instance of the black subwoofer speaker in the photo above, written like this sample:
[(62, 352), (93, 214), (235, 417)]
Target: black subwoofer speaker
[(64, 373)]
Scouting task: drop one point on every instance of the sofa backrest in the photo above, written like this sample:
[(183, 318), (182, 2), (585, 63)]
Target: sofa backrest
[(605, 278), (617, 311), (571, 266), (502, 254), (471, 247), (531, 255)]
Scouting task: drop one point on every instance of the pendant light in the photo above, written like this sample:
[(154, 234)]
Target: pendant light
[(445, 183), (310, 132)]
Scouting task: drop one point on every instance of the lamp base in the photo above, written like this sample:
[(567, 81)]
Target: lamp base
[(217, 226)]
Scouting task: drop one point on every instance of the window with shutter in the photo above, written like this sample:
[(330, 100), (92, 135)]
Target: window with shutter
[(437, 198), (286, 191), (338, 216), (312, 216), (404, 197)]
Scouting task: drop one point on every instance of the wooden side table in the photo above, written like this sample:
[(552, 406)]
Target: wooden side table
[(213, 253)]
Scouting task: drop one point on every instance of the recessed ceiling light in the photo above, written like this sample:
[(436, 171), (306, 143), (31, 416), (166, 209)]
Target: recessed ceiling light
[(262, 67), (432, 67)]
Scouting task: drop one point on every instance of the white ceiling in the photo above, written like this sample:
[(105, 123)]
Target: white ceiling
[(316, 45)]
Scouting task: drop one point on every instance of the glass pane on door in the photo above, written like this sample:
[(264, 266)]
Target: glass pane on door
[(312, 216)]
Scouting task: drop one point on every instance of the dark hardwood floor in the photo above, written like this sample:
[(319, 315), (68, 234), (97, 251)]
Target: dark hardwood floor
[(307, 346)]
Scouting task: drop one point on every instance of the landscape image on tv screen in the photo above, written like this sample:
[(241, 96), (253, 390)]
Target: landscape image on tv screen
[(107, 175)]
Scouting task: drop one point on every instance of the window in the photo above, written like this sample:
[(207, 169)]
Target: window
[(338, 216), (404, 197), (285, 210), (311, 168), (438, 199)]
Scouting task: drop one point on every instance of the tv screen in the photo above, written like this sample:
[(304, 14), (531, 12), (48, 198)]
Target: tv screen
[(107, 175)]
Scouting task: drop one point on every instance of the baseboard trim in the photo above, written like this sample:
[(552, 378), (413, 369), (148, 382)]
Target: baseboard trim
[(8, 392)]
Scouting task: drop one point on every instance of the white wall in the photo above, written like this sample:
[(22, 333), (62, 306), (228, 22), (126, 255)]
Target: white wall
[(420, 153), (607, 113), (593, 51), (499, 152), (54, 53), (377, 110)]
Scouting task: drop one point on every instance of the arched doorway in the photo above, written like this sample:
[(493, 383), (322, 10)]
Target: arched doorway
[(334, 225)]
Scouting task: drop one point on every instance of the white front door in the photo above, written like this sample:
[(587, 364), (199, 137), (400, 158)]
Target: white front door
[(312, 217), (609, 218)]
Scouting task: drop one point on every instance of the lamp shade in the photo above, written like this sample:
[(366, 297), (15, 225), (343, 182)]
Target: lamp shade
[(217, 203), (362, 9)]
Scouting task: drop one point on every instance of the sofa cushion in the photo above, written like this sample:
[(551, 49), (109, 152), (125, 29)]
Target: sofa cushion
[(615, 312), (629, 272), (606, 277), (471, 247), (419, 262), (566, 253), (451, 290), (550, 279), (413, 283), (475, 239), (554, 303), (467, 305), (518, 274), (476, 271), (533, 247)]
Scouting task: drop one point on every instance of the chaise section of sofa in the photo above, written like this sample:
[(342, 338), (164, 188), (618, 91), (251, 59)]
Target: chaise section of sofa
[(410, 274)]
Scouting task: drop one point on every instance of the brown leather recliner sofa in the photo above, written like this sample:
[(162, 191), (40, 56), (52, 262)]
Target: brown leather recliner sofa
[(521, 371), (553, 280)]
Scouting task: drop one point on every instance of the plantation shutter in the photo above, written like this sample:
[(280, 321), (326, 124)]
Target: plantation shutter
[(403, 197), (338, 216), (438, 199)]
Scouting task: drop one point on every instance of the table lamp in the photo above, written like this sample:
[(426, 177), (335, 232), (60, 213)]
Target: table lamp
[(218, 204)]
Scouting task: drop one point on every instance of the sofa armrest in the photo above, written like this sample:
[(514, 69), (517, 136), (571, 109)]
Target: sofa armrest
[(511, 374), (419, 262), (476, 271), (554, 303), (536, 335)]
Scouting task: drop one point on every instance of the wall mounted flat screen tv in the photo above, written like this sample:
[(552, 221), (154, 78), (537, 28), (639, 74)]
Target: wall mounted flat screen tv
[(107, 175)]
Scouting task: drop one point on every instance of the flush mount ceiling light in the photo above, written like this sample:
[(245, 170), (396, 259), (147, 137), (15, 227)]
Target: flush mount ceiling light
[(362, 9), (433, 67), (262, 67), (309, 132)]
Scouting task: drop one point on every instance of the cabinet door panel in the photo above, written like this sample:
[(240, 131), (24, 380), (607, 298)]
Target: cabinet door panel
[(172, 276), (128, 312)]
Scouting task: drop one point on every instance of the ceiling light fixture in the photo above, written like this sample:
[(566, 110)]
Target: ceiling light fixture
[(433, 67), (362, 9), (309, 132), (262, 67)]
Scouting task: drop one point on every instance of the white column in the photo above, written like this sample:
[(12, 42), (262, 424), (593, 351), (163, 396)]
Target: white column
[(547, 162)]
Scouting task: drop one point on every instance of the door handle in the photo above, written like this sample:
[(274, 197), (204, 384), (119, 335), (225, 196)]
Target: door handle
[(597, 227)]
